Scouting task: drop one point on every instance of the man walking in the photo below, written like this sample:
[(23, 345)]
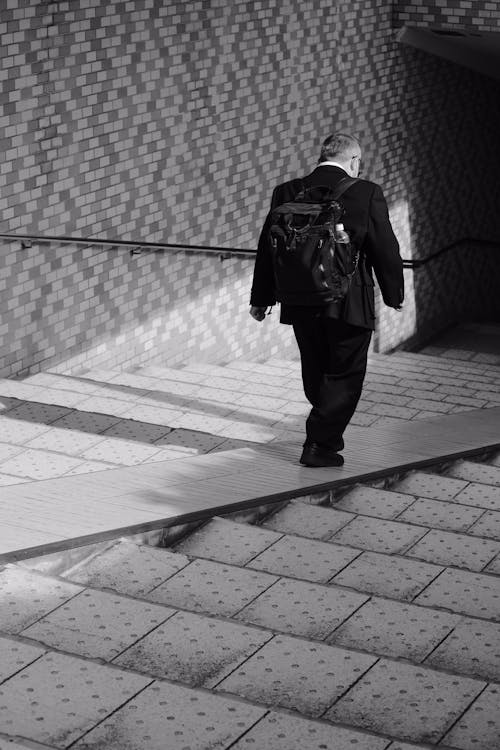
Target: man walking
[(333, 337)]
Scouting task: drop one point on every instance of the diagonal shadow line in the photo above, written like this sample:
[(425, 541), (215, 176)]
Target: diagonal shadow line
[(170, 399), (52, 420), (219, 440)]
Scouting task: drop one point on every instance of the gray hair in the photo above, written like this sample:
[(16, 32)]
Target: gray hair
[(339, 147)]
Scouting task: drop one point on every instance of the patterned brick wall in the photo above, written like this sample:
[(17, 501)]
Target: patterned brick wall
[(75, 309), (165, 120), (477, 15)]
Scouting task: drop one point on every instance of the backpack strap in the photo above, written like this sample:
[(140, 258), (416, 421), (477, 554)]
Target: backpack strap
[(344, 184), (298, 187)]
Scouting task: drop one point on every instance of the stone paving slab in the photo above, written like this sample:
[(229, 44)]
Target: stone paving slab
[(86, 421), (9, 451), (213, 588), (116, 407), (296, 674), (479, 727), (196, 441), (459, 550), (114, 450), (402, 412), (97, 624), (193, 649), (494, 566), (392, 577), (140, 431), (37, 464), (434, 486), (27, 596), (33, 411), (128, 568), (464, 592), (379, 535), (64, 441), (15, 655), (308, 521), (307, 559), (228, 542), (480, 495), (88, 467), (396, 629), (278, 731), (437, 700), (66, 398), (58, 698), (437, 514), (302, 608), (473, 648), (375, 502), (171, 716)]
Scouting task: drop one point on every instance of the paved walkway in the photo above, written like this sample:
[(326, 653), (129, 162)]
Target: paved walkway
[(360, 615), (78, 460)]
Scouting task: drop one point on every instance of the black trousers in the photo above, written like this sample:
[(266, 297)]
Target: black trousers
[(333, 356)]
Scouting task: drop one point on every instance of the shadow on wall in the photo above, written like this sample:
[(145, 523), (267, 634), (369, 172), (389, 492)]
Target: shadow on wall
[(70, 309), (451, 193)]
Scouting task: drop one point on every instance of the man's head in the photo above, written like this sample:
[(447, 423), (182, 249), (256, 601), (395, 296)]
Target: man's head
[(344, 149)]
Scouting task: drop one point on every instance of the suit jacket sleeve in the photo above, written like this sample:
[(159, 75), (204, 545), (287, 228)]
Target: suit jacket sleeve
[(263, 291), (382, 250)]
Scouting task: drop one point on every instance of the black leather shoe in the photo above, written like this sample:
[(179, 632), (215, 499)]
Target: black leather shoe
[(314, 455)]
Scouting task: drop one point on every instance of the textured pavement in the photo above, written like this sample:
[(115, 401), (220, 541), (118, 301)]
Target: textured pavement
[(55, 425), (366, 618), (355, 623)]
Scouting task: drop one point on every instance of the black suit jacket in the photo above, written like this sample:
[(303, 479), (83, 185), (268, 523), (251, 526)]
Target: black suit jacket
[(366, 218)]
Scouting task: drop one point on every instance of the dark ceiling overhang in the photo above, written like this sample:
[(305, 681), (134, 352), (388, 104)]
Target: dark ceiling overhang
[(479, 51)]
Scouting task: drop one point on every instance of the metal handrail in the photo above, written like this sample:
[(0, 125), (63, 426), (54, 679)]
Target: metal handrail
[(135, 247), (27, 240), (418, 262)]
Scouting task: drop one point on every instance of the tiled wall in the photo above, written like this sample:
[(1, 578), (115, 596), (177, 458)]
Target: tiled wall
[(477, 15), (172, 121), (93, 307)]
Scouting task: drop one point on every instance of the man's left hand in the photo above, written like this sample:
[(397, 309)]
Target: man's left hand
[(258, 313)]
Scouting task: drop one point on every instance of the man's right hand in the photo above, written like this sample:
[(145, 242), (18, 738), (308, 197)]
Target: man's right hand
[(258, 313)]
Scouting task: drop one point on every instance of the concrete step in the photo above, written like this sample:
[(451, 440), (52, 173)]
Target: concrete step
[(313, 621), (122, 707), (473, 471), (328, 639), (367, 623), (451, 489)]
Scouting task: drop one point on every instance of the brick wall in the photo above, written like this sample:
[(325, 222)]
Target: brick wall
[(93, 307), (477, 15), (172, 121)]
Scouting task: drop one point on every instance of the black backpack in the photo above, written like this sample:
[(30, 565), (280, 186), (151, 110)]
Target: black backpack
[(313, 261)]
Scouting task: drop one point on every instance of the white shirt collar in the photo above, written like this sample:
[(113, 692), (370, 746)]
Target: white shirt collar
[(331, 164)]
